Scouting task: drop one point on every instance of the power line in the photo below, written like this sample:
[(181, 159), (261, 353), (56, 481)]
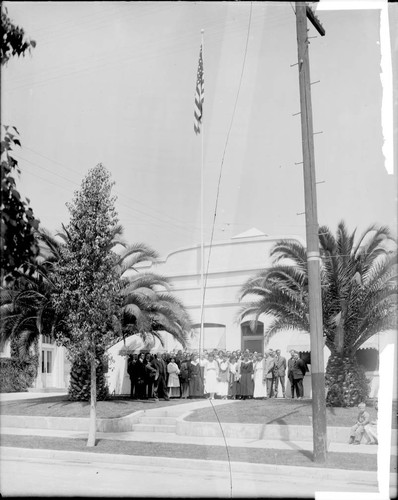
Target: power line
[(213, 28), (175, 44), (176, 221), (215, 216), (225, 148), (160, 221)]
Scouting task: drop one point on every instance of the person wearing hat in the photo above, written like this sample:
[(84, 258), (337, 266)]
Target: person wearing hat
[(195, 377)]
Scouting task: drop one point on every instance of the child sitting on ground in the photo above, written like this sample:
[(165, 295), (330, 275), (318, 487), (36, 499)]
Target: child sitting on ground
[(358, 430), (371, 429)]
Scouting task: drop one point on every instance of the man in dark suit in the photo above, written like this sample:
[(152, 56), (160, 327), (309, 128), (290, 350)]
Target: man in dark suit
[(159, 385), (298, 371), (131, 370), (279, 372), (290, 372)]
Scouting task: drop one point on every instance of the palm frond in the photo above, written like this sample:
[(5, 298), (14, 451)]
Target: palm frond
[(359, 286)]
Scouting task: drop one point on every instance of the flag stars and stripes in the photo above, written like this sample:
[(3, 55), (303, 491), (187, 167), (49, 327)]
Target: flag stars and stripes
[(199, 95)]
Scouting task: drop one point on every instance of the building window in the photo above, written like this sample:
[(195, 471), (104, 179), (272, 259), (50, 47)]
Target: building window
[(46, 339), (46, 361), (247, 331), (49, 361), (214, 336), (252, 340)]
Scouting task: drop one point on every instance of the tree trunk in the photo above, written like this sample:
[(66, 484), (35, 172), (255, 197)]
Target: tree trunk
[(346, 381), (93, 404), (80, 377)]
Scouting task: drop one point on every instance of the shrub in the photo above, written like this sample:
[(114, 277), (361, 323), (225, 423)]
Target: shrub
[(346, 382), (17, 375)]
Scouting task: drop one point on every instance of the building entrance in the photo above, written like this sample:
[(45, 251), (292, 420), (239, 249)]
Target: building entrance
[(47, 362), (252, 340)]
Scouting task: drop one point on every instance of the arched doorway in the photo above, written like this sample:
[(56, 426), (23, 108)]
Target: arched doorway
[(252, 340), (214, 337)]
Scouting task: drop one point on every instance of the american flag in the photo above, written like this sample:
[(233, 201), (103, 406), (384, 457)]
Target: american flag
[(199, 95)]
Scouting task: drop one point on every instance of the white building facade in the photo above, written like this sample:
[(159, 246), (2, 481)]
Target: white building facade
[(228, 265)]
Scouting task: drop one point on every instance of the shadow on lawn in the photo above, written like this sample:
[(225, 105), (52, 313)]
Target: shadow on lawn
[(285, 434), (281, 420)]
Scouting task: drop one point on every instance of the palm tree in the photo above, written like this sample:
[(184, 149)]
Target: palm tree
[(147, 307), (26, 306), (359, 299), (26, 310)]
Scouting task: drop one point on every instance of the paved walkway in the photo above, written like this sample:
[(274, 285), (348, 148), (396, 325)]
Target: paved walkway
[(256, 480), (55, 472), (168, 437), (165, 437), (16, 396)]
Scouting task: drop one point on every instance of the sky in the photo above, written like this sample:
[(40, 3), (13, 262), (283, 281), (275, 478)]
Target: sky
[(114, 83)]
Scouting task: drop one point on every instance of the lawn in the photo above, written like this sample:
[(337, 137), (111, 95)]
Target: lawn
[(60, 406), (272, 411), (348, 461), (279, 411)]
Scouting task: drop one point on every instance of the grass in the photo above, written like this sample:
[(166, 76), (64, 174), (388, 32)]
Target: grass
[(279, 411), (347, 461), (60, 406), (272, 411)]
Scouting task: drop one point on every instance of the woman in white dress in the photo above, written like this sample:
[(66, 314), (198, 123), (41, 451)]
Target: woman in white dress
[(173, 382), (211, 376), (260, 383), (223, 377)]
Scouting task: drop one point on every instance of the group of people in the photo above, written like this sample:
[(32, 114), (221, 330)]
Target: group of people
[(222, 374)]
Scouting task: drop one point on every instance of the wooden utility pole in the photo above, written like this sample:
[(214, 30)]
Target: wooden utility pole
[(311, 216)]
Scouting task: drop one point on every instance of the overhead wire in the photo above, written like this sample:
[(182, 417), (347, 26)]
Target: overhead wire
[(225, 148), (229, 26), (93, 23), (159, 222), (214, 221), (117, 192), (177, 43)]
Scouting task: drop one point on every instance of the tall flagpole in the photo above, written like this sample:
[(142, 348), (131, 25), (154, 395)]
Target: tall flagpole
[(202, 249)]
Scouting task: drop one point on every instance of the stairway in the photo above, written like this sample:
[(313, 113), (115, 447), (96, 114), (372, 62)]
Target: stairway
[(158, 421)]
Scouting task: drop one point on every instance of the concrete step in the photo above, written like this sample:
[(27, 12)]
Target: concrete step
[(47, 389), (156, 413), (157, 420), (154, 428)]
